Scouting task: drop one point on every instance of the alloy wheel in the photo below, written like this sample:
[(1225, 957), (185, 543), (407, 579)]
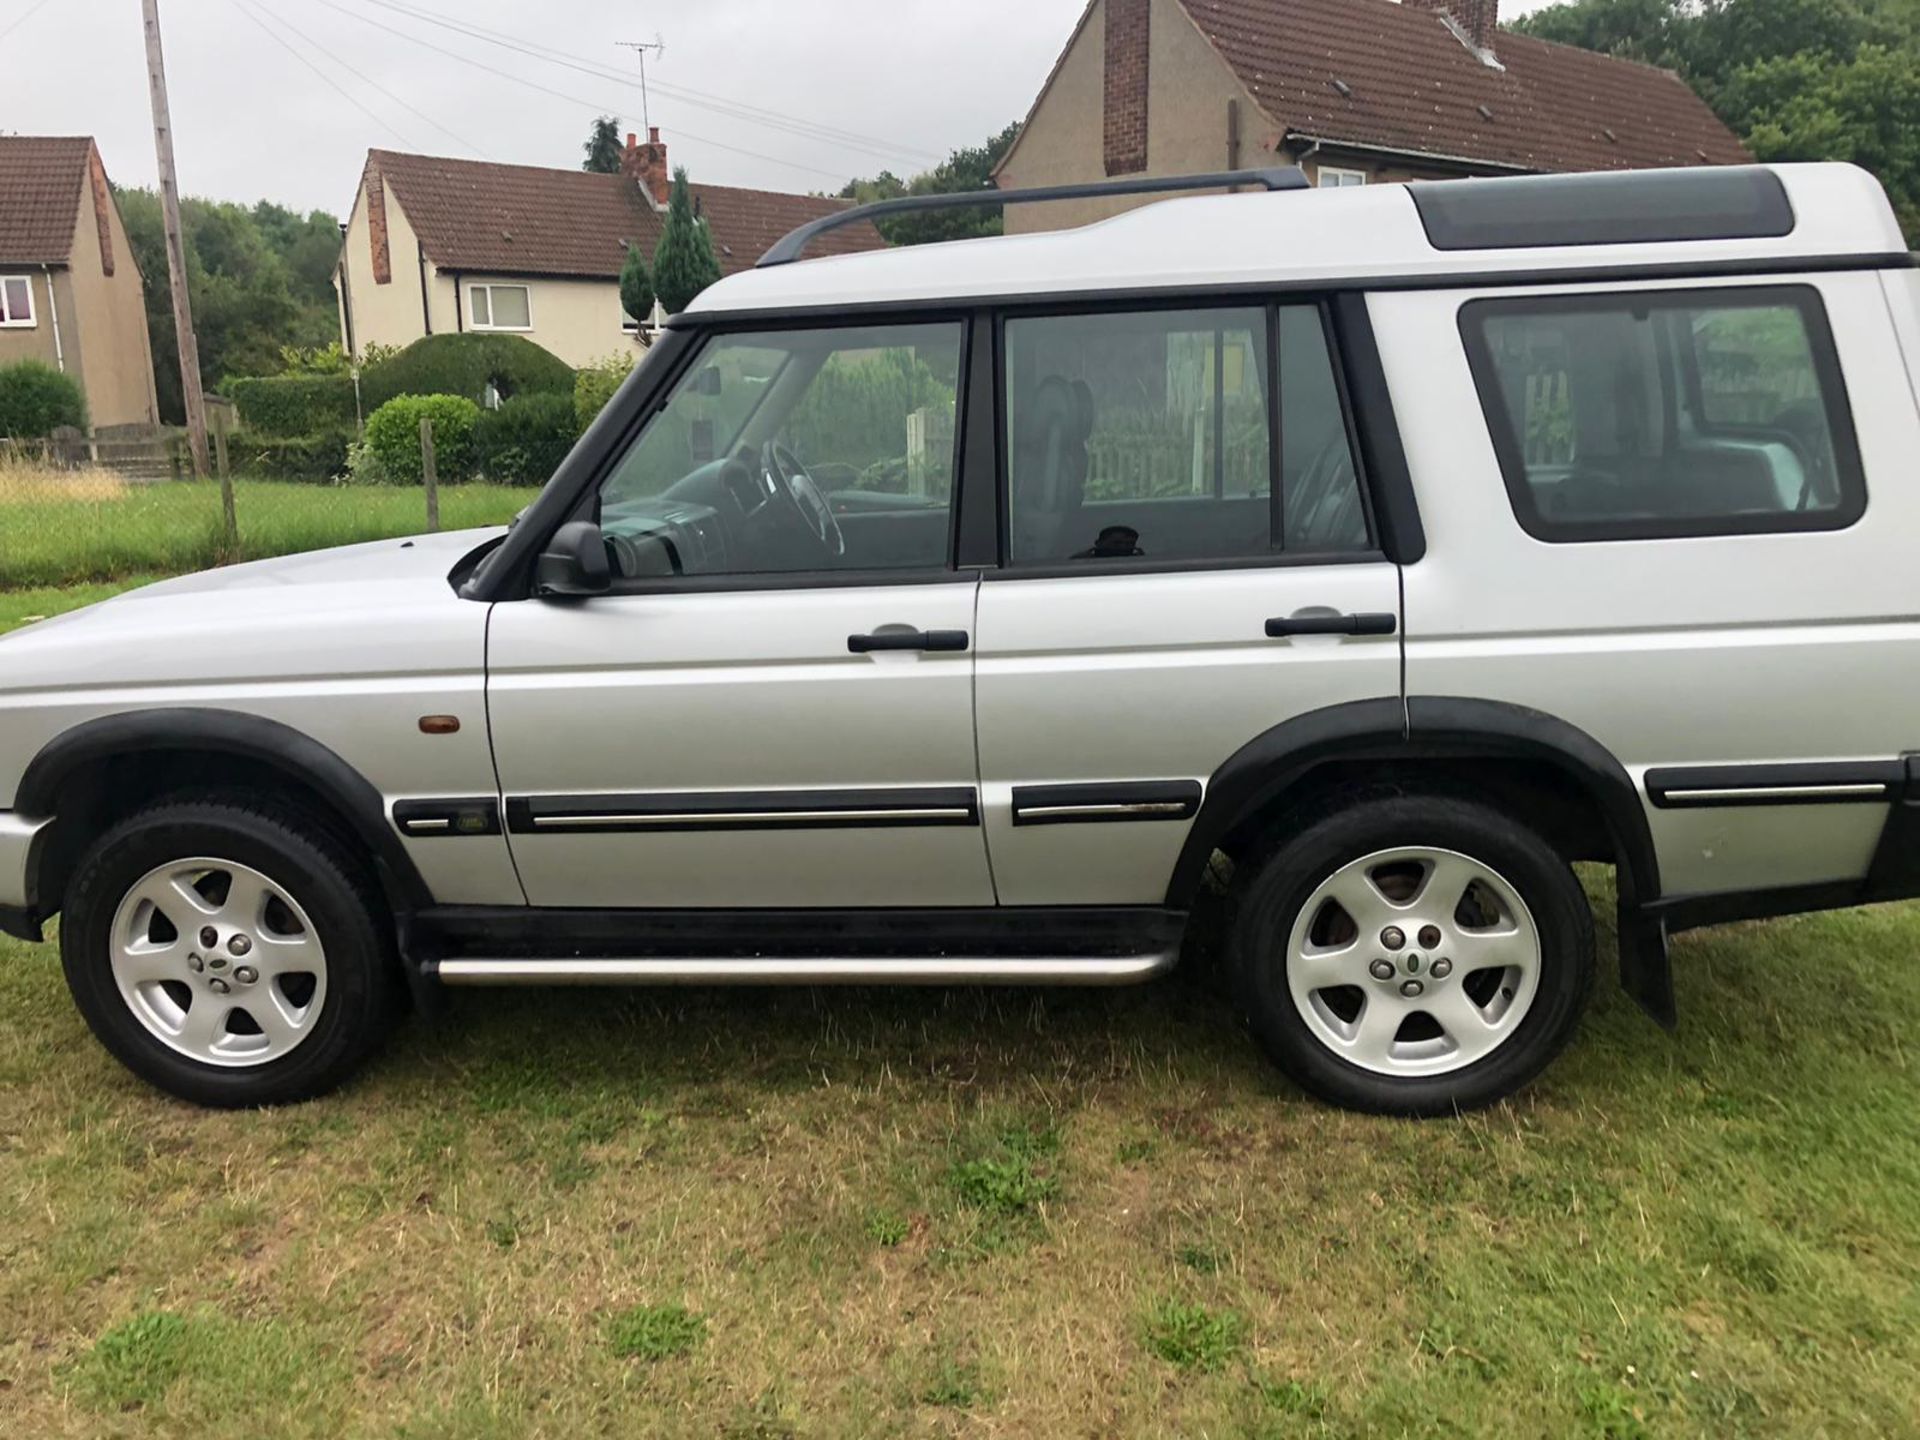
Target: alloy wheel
[(218, 962), (1414, 962)]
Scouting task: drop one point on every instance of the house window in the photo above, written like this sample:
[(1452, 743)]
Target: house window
[(16, 301), (500, 307), (1332, 177)]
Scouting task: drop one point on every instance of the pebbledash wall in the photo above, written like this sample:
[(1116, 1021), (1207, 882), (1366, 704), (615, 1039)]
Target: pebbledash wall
[(577, 319), (90, 314)]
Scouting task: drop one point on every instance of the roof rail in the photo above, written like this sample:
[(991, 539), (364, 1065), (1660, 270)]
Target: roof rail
[(793, 245)]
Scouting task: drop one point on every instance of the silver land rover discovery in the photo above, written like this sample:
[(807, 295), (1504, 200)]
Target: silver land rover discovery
[(946, 615)]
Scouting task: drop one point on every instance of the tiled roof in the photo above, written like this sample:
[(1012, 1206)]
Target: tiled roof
[(526, 220), (1412, 85), (40, 181)]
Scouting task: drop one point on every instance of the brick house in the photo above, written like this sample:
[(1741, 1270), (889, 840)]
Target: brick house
[(436, 245), (71, 294), (1350, 90)]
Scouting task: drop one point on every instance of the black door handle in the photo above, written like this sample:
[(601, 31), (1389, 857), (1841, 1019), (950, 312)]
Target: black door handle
[(908, 640), (1374, 624)]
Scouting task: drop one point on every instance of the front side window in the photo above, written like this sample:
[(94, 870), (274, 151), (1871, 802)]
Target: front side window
[(791, 451), (1667, 413), (16, 301), (500, 307), (1149, 435)]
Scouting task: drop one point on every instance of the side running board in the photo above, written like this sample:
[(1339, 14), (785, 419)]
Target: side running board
[(986, 946), (811, 970)]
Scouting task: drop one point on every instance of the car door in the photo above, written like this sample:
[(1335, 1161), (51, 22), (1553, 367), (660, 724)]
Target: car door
[(1190, 561), (772, 706)]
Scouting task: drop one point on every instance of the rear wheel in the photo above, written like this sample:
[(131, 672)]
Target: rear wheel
[(1414, 955), (227, 955)]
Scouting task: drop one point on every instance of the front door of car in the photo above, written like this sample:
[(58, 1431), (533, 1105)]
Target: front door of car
[(773, 706), (1190, 562)]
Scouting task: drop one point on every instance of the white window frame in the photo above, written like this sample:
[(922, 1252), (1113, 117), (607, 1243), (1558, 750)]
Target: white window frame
[(1347, 176), (490, 286), (33, 318)]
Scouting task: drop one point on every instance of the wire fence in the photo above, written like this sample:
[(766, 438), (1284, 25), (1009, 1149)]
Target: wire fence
[(104, 509)]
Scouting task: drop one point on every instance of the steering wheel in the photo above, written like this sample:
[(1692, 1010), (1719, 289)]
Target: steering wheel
[(783, 466)]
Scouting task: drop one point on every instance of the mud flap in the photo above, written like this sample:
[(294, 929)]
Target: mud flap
[(1646, 973)]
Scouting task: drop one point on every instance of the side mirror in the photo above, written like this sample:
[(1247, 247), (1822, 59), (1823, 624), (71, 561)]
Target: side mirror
[(574, 562)]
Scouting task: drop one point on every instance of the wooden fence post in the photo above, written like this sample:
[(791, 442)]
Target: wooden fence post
[(229, 516), (426, 473)]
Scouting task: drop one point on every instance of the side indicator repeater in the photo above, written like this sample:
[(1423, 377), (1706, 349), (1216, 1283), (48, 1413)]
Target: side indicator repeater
[(439, 724)]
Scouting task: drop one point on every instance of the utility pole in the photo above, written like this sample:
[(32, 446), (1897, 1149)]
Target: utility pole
[(177, 263), (640, 48)]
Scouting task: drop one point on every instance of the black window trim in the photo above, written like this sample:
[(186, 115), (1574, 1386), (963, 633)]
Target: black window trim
[(1849, 468), (1269, 303), (703, 340)]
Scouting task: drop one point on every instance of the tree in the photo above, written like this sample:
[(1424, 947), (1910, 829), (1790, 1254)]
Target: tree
[(603, 148), (684, 264), (969, 168), (636, 287), (1794, 79), (261, 279)]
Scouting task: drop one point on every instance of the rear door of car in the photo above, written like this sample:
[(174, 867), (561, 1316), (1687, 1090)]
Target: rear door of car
[(1189, 557)]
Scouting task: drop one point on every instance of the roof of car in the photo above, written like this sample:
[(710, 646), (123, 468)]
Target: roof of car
[(1370, 235)]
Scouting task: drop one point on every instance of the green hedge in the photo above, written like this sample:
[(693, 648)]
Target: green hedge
[(36, 400), (595, 385), (393, 435), (292, 404), (318, 458), (524, 441), (465, 365)]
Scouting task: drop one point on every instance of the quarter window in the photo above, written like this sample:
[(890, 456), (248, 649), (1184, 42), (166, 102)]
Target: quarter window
[(500, 307), (791, 451), (16, 301), (1149, 436), (1644, 415)]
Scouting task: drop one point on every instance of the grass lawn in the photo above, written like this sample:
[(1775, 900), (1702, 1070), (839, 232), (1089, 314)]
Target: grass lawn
[(832, 1213), (71, 530)]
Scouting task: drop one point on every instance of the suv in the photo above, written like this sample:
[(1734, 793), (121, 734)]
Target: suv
[(970, 613)]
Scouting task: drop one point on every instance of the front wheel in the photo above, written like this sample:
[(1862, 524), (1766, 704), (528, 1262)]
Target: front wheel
[(1414, 955), (228, 955)]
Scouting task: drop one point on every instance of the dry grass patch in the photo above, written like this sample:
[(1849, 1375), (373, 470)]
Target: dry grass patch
[(25, 482)]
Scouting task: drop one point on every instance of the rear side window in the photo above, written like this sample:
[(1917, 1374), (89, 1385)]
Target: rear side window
[(1150, 435), (1656, 414)]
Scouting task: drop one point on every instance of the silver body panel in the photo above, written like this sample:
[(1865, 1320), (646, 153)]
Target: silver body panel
[(752, 692), (1149, 677), (1719, 650)]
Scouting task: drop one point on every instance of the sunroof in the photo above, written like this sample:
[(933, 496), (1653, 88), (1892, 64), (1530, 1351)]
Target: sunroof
[(1630, 207)]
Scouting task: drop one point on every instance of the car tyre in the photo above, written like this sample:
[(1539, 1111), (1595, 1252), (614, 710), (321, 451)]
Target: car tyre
[(1359, 1008), (231, 951)]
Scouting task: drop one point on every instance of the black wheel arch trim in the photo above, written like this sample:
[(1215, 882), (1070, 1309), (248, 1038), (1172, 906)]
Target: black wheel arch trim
[(254, 737), (1447, 728)]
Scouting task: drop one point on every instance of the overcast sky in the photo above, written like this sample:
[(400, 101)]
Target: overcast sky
[(782, 94)]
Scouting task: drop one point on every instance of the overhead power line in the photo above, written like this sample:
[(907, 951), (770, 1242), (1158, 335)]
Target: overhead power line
[(579, 101), (875, 146), (26, 15), (369, 81), (345, 93)]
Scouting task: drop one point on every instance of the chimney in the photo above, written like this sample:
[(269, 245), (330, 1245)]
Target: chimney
[(1124, 85), (1475, 20), (646, 166)]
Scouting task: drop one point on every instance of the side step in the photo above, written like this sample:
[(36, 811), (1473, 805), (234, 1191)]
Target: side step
[(986, 946), (811, 970)]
